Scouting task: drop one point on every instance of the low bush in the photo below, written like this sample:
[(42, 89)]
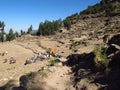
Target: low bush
[(100, 59), (53, 61)]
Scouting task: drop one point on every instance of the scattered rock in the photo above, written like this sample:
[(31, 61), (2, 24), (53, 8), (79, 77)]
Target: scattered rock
[(59, 64)]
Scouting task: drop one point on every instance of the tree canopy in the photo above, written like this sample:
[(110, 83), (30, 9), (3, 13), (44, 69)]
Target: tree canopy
[(48, 27), (10, 35), (2, 25), (110, 7), (30, 29)]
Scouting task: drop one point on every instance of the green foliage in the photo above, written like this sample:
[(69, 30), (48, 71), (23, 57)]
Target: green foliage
[(49, 28), (16, 34), (2, 25), (47, 49), (73, 18), (22, 32), (44, 72), (67, 24), (41, 72), (30, 29), (100, 59), (29, 74), (10, 35), (110, 7), (53, 61)]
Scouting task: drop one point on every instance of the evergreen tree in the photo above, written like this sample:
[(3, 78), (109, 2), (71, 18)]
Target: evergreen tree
[(10, 35), (30, 29), (22, 32), (16, 34), (40, 29), (67, 24), (49, 28), (2, 25)]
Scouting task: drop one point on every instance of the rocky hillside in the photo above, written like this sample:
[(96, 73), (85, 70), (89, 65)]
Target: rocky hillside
[(98, 69), (89, 53), (96, 21)]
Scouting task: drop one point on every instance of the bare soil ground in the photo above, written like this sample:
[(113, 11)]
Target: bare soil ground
[(10, 71), (23, 48)]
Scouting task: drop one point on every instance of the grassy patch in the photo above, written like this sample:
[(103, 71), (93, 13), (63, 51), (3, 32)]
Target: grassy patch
[(53, 61), (29, 75), (100, 59), (43, 73)]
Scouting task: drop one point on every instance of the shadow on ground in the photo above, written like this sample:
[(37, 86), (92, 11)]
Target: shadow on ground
[(83, 67)]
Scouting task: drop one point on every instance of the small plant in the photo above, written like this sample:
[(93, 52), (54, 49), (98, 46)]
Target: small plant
[(53, 61), (47, 49), (29, 75), (100, 59), (43, 73)]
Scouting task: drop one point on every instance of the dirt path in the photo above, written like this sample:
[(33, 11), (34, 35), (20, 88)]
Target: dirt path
[(10, 71), (58, 79), (21, 50)]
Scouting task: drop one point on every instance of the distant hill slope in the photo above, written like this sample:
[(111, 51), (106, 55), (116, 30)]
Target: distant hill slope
[(108, 7), (100, 19)]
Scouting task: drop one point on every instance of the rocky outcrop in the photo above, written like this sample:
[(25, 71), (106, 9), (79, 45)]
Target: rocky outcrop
[(86, 77)]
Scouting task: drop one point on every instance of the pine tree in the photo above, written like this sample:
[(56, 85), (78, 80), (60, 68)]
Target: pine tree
[(30, 29), (2, 25), (10, 35)]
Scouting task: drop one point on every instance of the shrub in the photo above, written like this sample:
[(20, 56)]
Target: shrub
[(29, 75), (43, 73), (100, 59), (53, 61)]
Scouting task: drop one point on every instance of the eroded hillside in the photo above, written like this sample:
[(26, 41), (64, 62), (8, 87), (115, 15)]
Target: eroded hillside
[(88, 55)]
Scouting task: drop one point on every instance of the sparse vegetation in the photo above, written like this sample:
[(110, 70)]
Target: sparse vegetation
[(29, 74), (44, 72), (86, 67), (100, 59), (53, 61), (74, 45), (110, 7)]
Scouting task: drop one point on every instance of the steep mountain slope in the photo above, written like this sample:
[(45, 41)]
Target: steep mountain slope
[(77, 70), (96, 21)]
